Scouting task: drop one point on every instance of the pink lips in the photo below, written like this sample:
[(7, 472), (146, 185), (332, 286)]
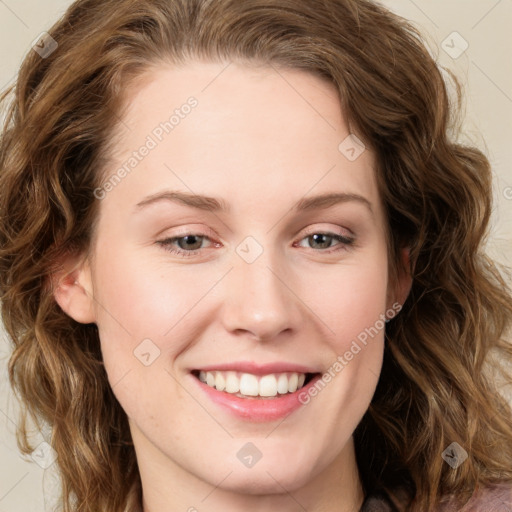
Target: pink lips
[(257, 409), (259, 369)]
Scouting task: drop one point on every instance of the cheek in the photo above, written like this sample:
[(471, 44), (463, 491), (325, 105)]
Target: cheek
[(354, 308), (137, 308), (144, 298), (353, 302)]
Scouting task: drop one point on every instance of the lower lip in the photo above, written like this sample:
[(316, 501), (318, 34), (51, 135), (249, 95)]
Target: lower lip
[(258, 409)]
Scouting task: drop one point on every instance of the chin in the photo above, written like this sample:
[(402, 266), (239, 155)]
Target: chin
[(265, 477), (265, 481)]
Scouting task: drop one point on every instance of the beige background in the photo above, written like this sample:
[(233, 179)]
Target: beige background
[(484, 67)]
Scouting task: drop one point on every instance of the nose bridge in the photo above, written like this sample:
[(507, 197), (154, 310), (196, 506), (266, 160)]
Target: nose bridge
[(258, 299)]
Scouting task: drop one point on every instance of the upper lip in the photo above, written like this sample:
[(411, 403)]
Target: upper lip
[(258, 369)]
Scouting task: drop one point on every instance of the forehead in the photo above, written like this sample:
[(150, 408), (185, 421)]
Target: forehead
[(237, 130)]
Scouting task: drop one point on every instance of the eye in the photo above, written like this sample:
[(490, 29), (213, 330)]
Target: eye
[(323, 240), (188, 245)]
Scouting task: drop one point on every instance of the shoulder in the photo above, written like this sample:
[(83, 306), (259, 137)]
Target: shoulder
[(490, 498)]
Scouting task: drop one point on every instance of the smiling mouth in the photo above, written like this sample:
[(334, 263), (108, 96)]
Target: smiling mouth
[(247, 385)]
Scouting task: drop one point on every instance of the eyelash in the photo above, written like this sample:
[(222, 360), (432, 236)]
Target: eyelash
[(345, 243)]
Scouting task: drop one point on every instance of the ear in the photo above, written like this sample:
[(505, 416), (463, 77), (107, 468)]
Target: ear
[(72, 289), (403, 281)]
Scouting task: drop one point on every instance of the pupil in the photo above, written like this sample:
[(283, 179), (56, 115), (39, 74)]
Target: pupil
[(186, 240), (319, 236)]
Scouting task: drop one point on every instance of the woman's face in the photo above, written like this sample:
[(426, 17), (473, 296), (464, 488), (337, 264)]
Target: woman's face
[(272, 287)]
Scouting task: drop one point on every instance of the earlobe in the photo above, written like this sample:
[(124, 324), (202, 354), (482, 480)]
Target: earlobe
[(72, 290)]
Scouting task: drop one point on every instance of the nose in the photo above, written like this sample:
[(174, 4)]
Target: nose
[(260, 299)]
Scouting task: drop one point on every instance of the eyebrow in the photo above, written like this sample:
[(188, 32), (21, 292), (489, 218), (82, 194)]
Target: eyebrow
[(193, 200), (213, 204)]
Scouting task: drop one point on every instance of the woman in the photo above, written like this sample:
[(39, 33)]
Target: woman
[(168, 169)]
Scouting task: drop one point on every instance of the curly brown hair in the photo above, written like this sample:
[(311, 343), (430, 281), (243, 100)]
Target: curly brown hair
[(439, 375)]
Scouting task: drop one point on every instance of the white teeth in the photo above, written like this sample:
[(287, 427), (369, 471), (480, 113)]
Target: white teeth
[(268, 385), (210, 379), (282, 384), (220, 381), (248, 384), (293, 382), (232, 383)]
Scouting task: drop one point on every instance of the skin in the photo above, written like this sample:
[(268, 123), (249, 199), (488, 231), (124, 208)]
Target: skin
[(259, 139)]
